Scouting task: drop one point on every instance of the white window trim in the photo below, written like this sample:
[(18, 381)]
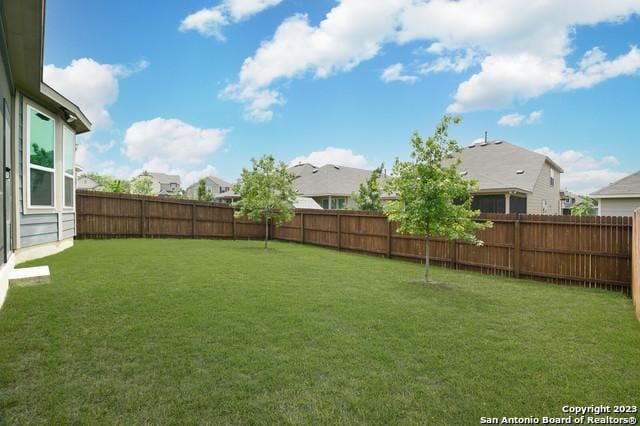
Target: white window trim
[(27, 166), (68, 209)]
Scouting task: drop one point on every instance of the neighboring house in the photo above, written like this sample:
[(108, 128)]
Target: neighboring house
[(212, 184), (300, 202), (162, 183), (86, 183), (620, 198), (39, 137), (227, 197), (332, 187), (569, 200), (306, 203), (511, 179)]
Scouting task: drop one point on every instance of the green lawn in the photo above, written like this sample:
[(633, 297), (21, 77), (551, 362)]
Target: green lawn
[(179, 331)]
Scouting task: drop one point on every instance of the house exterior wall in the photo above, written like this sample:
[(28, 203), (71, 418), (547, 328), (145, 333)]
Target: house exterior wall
[(543, 191), (49, 225), (618, 206)]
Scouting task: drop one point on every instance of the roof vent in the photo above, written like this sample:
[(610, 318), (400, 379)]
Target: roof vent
[(473, 145), (498, 142), (315, 171), (336, 167), (484, 144), (519, 172), (464, 173)]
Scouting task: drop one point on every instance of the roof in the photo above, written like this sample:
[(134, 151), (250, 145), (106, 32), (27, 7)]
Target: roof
[(499, 165), (306, 203), (24, 29), (315, 181), (228, 194), (214, 180), (162, 178), (627, 187)]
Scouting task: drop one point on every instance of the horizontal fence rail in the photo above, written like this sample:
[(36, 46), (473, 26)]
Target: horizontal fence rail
[(589, 251)]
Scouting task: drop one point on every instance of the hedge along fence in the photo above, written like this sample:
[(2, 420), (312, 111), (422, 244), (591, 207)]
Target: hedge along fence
[(635, 274), (589, 251), (108, 215)]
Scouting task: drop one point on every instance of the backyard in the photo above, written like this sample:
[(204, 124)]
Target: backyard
[(151, 331)]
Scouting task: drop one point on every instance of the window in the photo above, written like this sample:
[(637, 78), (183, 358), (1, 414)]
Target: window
[(68, 154), (337, 203), (41, 139), (552, 177), (325, 203), (489, 203)]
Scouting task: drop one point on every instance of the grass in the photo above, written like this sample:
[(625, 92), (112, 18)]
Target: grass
[(178, 331)]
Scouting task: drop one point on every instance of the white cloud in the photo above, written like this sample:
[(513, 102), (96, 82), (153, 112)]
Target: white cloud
[(516, 119), (594, 68), (210, 21), (535, 117), (520, 57), (457, 62), (161, 140), (395, 73), (584, 173), (90, 85), (352, 32), (511, 120), (331, 155)]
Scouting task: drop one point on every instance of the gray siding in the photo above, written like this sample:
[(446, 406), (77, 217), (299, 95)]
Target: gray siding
[(544, 191), (38, 229), (618, 206), (68, 225)]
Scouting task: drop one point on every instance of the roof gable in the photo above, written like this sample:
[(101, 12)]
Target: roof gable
[(499, 165), (628, 185)]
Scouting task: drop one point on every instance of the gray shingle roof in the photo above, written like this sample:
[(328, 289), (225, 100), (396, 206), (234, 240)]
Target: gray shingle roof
[(629, 185), (163, 178), (327, 180), (212, 179), (495, 165)]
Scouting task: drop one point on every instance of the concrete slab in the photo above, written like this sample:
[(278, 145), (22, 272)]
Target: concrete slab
[(24, 277)]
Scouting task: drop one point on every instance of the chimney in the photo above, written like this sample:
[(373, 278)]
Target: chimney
[(485, 136)]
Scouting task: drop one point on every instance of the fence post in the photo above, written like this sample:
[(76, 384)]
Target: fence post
[(193, 220), (339, 230), (516, 247), (233, 213), (302, 228), (388, 238), (143, 205), (453, 246)]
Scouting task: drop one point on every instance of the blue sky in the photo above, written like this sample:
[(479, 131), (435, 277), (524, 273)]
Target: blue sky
[(199, 87)]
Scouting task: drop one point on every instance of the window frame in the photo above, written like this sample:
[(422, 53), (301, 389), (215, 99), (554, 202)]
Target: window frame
[(26, 147), (64, 171)]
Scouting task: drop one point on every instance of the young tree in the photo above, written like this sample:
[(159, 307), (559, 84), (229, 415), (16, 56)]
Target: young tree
[(433, 199), (117, 186), (178, 195), (587, 207), (203, 194), (368, 196), (142, 186), (266, 193)]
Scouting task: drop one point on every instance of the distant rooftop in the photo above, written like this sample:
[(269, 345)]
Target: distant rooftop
[(627, 186), (499, 165)]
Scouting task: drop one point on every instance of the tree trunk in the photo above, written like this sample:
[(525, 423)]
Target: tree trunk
[(266, 231), (427, 269)]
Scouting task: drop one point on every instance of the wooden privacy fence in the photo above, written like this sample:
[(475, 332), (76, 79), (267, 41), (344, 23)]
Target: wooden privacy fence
[(107, 215), (590, 251), (635, 274)]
